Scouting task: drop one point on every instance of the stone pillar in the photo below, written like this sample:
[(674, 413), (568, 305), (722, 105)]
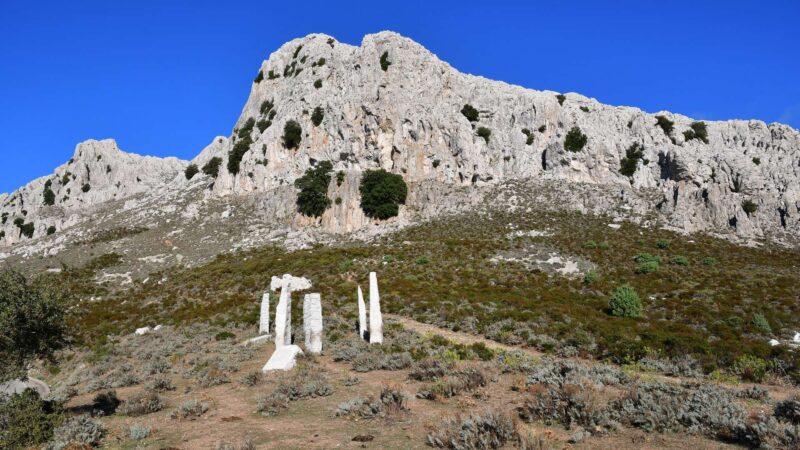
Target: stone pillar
[(375, 318), (312, 323), (263, 324), (280, 318), (362, 315), (288, 336)]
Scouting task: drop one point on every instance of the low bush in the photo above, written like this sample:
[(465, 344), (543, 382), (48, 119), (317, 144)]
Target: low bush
[(317, 116), (49, 197), (385, 63), (666, 125), (236, 154), (789, 410), (318, 84), (142, 403), (624, 302), (138, 432), (78, 430), (307, 382), (749, 207), (750, 368), (390, 402), (485, 133), (698, 131), (455, 383), (191, 171), (382, 193), (561, 98), (633, 155), (26, 420), (575, 140), (761, 324), (159, 384), (292, 134), (189, 409), (570, 405), (429, 370), (211, 168), (528, 135), (470, 113), (489, 430), (679, 260)]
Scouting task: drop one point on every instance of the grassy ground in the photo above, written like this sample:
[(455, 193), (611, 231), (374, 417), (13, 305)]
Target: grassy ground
[(443, 273)]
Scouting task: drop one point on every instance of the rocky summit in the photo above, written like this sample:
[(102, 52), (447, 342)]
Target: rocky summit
[(460, 142)]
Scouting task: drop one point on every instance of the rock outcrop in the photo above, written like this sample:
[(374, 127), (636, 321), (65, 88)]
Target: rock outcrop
[(391, 104)]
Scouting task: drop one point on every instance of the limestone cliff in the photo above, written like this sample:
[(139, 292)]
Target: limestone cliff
[(389, 103)]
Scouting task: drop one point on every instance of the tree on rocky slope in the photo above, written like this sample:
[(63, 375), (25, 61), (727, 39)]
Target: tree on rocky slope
[(32, 322)]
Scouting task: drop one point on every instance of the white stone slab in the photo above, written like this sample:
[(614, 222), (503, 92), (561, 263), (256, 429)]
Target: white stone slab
[(295, 283), (19, 386), (258, 339), (142, 331), (263, 323), (375, 317), (362, 315), (312, 323), (283, 358)]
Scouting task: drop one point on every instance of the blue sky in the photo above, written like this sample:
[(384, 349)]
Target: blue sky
[(164, 77)]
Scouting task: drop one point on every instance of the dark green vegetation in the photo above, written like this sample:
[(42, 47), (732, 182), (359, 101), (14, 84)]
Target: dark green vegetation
[(25, 229), (625, 302), (86, 187), (318, 84), (385, 63), (260, 77), (27, 420), (32, 322), (575, 140), (292, 134), (703, 309), (749, 207), (382, 193), (211, 168), (485, 133), (561, 98), (698, 131), (312, 200), (665, 124), (470, 113), (317, 116), (191, 171), (241, 146), (49, 195), (529, 136), (634, 154)]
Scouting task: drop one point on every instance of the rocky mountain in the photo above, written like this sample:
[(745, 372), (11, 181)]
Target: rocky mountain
[(458, 140)]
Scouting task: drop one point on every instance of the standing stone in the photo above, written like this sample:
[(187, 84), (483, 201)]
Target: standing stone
[(375, 318), (263, 324), (362, 315), (280, 319), (287, 338), (312, 323)]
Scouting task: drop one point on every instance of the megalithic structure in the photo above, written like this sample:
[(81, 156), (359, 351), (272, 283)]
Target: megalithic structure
[(312, 323), (375, 318), (362, 315), (263, 324), (281, 319)]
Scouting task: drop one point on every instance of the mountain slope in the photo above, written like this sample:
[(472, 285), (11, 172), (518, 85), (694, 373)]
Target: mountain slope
[(392, 104)]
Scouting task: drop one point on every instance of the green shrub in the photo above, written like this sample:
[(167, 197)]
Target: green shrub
[(27, 421), (561, 98), (590, 277), (625, 302), (679, 260), (756, 160), (292, 134), (529, 136), (317, 116), (27, 230), (663, 244), (263, 124), (312, 200), (86, 187), (49, 196), (470, 113), (260, 77), (485, 133), (297, 51), (633, 155), (223, 336), (247, 128), (321, 62), (385, 63), (51, 230), (665, 124), (211, 168), (422, 260), (709, 261), (266, 106), (191, 171), (272, 75), (318, 84), (761, 324), (647, 267), (585, 108), (382, 193), (590, 244), (237, 153), (749, 206), (542, 128), (698, 131), (575, 140), (750, 368)]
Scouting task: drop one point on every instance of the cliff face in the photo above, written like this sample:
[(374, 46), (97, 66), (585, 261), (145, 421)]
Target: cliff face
[(391, 104)]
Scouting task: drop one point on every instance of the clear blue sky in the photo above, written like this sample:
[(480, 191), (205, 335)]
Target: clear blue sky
[(164, 77)]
